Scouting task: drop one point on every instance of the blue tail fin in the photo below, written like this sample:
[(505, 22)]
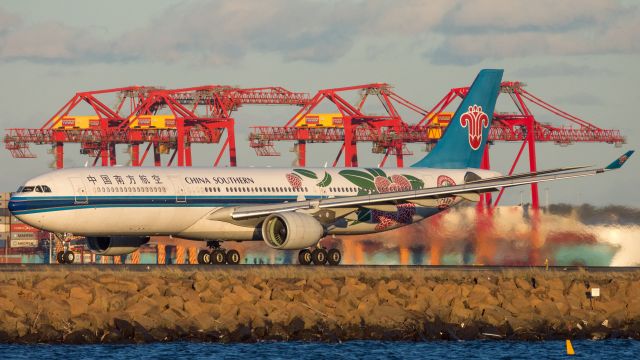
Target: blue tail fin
[(463, 142)]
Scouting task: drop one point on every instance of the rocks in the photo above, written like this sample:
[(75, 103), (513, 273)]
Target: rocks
[(332, 305), (82, 336)]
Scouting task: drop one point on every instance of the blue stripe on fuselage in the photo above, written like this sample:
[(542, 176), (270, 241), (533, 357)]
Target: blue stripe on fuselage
[(29, 205)]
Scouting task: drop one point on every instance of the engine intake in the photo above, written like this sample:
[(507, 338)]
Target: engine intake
[(290, 231), (115, 245)]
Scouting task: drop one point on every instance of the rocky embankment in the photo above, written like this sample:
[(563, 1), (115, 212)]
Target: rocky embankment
[(326, 304)]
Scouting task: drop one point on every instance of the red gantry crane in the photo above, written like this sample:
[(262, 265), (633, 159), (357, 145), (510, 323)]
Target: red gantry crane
[(389, 133), (166, 120), (349, 125)]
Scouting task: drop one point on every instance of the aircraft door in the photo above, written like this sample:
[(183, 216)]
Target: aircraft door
[(181, 191), (79, 191)]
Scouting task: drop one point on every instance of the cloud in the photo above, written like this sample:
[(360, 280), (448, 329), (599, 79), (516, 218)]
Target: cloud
[(51, 42), (484, 30), (560, 70), (48, 42), (216, 32), (225, 31), (8, 21)]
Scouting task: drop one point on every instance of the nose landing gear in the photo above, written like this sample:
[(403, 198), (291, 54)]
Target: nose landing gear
[(65, 257)]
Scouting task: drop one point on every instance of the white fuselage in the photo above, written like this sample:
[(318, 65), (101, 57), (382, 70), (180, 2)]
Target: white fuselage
[(195, 203)]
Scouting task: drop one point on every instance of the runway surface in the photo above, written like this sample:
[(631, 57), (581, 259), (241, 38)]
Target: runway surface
[(187, 267)]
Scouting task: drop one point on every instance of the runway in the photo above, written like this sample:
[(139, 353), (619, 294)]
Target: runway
[(190, 268)]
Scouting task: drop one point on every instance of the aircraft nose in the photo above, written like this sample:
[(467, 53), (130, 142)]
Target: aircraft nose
[(12, 205)]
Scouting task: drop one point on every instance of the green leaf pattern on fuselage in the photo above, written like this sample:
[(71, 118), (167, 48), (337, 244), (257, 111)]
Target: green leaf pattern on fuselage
[(326, 180), (306, 173), (360, 179)]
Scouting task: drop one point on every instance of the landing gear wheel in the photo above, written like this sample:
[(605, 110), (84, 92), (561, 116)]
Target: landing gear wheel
[(304, 257), (319, 256), (68, 257), (218, 257), (204, 257), (334, 256), (233, 257), (59, 257)]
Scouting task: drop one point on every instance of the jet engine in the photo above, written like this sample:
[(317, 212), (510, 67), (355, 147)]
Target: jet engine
[(291, 230), (115, 245)]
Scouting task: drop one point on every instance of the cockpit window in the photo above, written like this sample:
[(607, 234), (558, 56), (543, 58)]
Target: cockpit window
[(38, 188), (27, 189), (45, 188), (19, 189)]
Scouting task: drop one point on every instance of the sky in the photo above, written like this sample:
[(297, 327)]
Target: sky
[(579, 55)]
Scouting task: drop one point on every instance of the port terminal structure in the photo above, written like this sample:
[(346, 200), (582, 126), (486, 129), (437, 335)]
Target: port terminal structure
[(168, 121), (160, 125)]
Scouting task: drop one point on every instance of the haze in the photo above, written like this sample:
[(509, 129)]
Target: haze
[(579, 55)]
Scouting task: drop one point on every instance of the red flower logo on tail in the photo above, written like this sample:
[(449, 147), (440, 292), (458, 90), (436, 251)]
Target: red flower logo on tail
[(475, 120)]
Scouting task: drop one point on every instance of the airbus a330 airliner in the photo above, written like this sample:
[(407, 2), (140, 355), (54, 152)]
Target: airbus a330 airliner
[(119, 208)]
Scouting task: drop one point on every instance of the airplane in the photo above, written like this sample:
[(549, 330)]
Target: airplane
[(117, 209)]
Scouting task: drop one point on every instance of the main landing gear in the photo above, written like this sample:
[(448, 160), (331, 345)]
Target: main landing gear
[(218, 255), (319, 256)]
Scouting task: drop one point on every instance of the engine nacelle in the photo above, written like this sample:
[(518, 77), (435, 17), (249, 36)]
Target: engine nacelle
[(291, 231), (115, 245)]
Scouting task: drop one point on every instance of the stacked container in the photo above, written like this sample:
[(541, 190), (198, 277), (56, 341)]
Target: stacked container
[(4, 220)]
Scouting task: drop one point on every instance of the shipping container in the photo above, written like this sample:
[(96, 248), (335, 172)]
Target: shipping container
[(25, 235), (3, 243), (4, 219), (4, 235), (5, 228), (10, 259), (23, 243), (4, 212), (23, 228), (4, 196)]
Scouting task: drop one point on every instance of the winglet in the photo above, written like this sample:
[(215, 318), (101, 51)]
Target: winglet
[(617, 164)]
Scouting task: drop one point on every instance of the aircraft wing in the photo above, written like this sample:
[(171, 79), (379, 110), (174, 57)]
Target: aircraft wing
[(466, 190)]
